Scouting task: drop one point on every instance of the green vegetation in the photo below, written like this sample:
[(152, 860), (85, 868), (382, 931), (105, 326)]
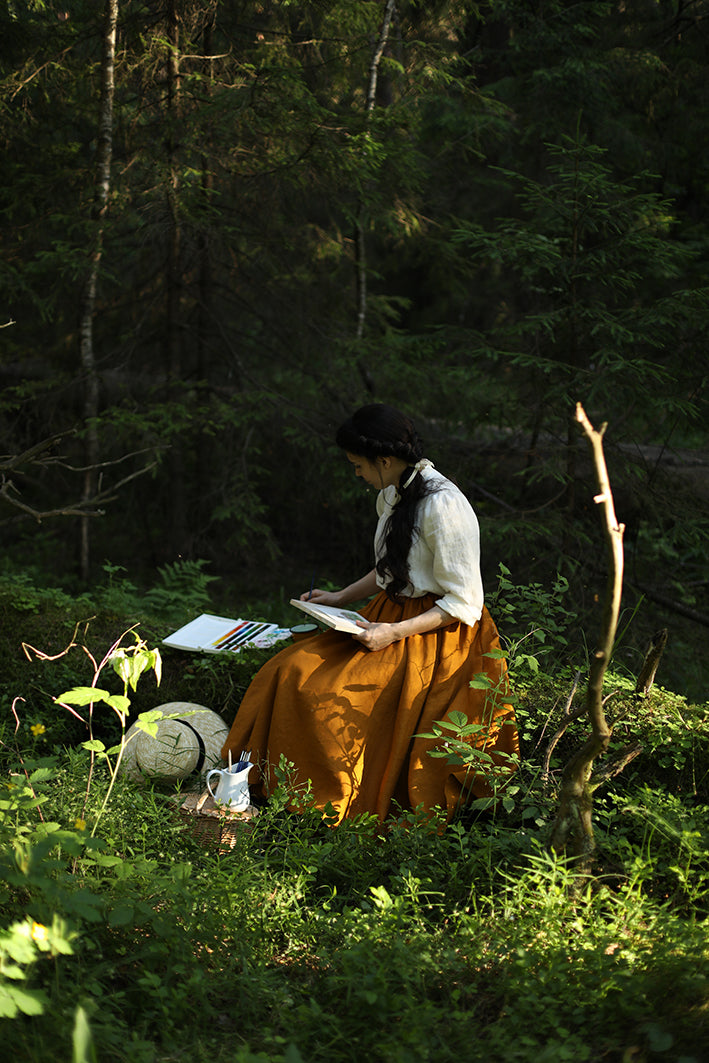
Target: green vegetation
[(483, 212), (255, 218), (125, 938)]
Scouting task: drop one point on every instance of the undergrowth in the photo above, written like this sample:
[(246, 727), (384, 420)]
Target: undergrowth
[(399, 942)]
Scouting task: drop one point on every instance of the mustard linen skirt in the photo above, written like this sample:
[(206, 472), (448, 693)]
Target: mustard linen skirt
[(348, 718)]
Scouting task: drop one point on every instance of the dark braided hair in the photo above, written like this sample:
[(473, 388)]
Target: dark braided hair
[(380, 431)]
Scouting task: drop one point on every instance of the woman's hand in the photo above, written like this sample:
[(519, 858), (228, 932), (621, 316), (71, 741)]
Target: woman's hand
[(318, 597), (376, 636), (363, 588)]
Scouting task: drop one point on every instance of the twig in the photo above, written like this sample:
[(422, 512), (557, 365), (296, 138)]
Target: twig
[(99, 464), (72, 510), (9, 462), (14, 713), (83, 508), (614, 765), (573, 826), (21, 758), (42, 656), (35, 73), (568, 718)]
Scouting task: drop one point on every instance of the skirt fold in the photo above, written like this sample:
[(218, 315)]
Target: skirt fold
[(350, 720)]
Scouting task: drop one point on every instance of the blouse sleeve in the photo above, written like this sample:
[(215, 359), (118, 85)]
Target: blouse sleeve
[(449, 528)]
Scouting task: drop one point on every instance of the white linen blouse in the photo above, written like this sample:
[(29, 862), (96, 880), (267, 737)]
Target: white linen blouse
[(444, 558)]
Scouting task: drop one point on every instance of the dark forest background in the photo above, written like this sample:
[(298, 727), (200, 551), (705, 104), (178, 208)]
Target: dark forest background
[(232, 224)]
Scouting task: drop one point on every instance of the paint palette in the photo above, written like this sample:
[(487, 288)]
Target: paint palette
[(220, 634)]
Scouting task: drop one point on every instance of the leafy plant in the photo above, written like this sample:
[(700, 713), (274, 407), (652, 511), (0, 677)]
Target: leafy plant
[(534, 621), (183, 591), (129, 663), (31, 936), (306, 941)]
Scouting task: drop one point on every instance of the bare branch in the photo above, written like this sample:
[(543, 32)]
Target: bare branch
[(568, 718), (103, 496), (100, 464), (614, 765), (9, 462), (38, 70), (85, 507), (72, 510), (573, 827), (28, 650)]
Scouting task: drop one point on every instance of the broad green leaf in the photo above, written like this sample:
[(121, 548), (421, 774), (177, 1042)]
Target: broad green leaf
[(8, 1007), (105, 859), (381, 897), (458, 719), (121, 915), (94, 745), (130, 664), (150, 716), (27, 1001), (84, 695), (41, 775), (119, 702)]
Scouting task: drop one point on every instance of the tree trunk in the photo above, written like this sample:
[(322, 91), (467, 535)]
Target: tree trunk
[(573, 829), (652, 660), (205, 260), (173, 339), (88, 300), (361, 246), (573, 356), (205, 309)]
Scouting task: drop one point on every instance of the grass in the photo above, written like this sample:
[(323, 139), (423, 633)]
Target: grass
[(306, 943)]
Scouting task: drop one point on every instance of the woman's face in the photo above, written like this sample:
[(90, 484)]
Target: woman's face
[(380, 473), (369, 471)]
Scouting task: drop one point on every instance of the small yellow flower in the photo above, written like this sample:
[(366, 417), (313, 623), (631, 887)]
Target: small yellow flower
[(39, 933), (79, 824), (38, 729)]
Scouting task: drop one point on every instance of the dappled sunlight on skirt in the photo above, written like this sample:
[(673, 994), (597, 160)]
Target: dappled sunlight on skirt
[(348, 719)]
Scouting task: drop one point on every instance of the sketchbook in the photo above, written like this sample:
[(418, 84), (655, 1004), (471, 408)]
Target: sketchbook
[(217, 634), (339, 619)]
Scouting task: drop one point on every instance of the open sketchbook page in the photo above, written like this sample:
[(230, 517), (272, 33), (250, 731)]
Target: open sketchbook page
[(339, 619)]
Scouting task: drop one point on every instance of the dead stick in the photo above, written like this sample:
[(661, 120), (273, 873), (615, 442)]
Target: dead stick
[(573, 828)]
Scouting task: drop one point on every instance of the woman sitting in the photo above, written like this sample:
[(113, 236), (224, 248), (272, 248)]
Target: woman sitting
[(348, 711)]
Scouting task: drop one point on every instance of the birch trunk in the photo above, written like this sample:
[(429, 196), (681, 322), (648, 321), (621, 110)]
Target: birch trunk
[(173, 338), (88, 300), (362, 214)]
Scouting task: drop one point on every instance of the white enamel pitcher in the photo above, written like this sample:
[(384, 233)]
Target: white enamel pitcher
[(232, 788)]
